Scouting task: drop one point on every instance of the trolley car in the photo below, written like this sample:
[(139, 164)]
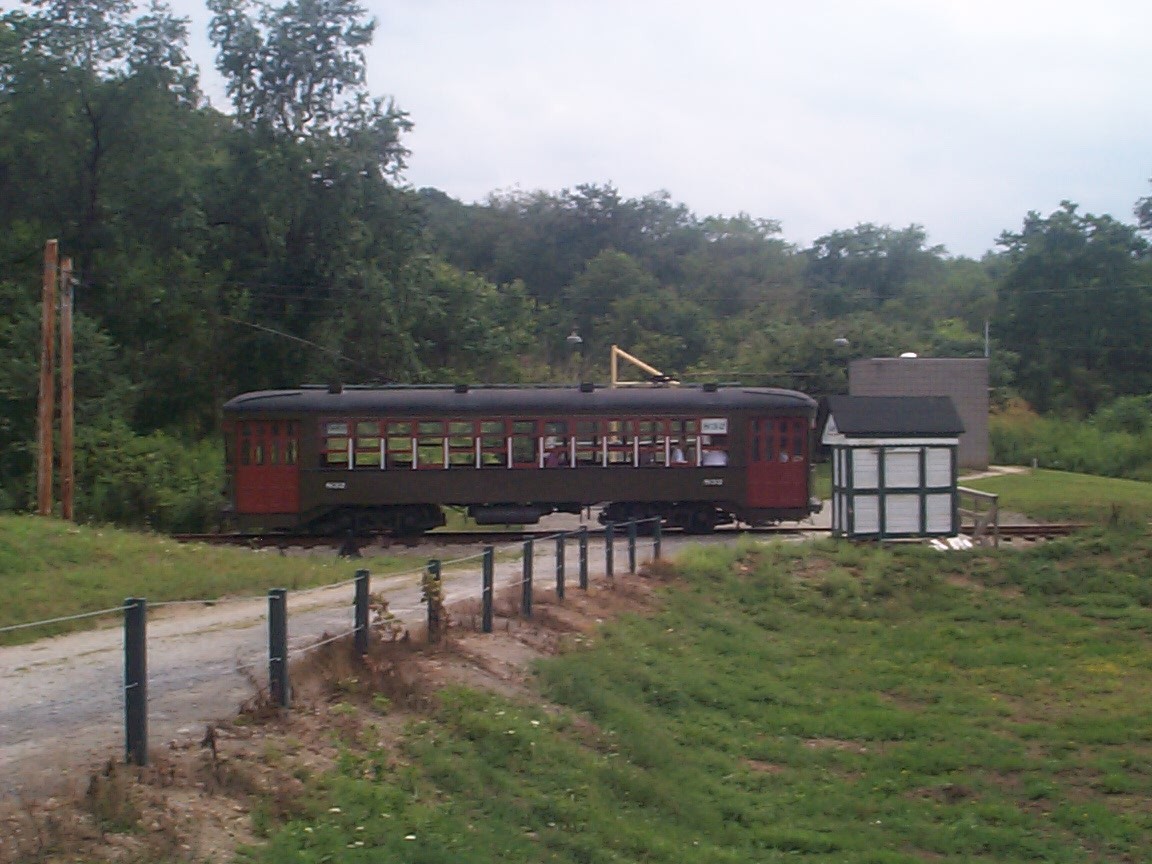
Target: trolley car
[(389, 459)]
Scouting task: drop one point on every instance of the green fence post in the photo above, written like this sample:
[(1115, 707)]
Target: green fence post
[(278, 647), (136, 680), (560, 567), (361, 612), (609, 542), (632, 546), (434, 602), (486, 589), (584, 557), (526, 582)]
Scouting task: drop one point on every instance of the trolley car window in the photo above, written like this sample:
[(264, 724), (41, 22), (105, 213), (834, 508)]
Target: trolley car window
[(430, 444), (291, 447), (398, 444), (523, 443), (588, 442), (461, 444), (556, 444), (493, 449), (256, 444), (618, 449), (798, 434), (682, 441), (336, 443)]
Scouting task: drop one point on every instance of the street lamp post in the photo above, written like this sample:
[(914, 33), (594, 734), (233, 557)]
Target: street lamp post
[(575, 345)]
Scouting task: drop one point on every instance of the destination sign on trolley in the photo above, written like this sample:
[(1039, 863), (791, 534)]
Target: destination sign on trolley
[(714, 426)]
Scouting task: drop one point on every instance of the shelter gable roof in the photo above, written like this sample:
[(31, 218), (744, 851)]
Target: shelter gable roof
[(895, 416)]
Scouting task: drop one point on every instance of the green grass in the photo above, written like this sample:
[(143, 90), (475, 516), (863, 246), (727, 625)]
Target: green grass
[(832, 703), (51, 569), (1058, 495)]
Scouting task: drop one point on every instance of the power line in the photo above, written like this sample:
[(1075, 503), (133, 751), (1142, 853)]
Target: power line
[(329, 351)]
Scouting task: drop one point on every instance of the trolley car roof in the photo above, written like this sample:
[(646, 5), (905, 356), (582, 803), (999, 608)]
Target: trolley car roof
[(508, 400)]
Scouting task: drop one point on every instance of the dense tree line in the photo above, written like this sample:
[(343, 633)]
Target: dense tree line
[(277, 243)]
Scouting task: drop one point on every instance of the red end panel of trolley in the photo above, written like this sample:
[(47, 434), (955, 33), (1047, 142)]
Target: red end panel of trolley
[(778, 462), (265, 465)]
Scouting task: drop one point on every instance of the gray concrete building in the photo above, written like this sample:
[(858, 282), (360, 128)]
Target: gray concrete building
[(964, 380)]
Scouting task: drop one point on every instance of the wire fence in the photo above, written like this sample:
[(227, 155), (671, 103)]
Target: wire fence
[(173, 674)]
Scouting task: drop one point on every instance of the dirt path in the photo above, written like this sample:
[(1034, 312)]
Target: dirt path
[(62, 704)]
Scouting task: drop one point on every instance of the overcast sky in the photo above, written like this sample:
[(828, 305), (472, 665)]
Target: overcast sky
[(959, 116)]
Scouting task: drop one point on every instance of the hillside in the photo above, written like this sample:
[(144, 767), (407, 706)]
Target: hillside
[(753, 703)]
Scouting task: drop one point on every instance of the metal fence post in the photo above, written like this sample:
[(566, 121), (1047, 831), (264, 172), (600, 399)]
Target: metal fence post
[(434, 603), (136, 680), (526, 582), (278, 646), (584, 557), (609, 540), (632, 546), (657, 537), (560, 567), (361, 615), (486, 590)]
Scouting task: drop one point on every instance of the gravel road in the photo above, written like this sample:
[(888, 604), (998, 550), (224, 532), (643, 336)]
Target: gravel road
[(61, 709)]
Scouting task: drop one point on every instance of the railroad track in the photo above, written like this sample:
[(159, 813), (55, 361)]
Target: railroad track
[(461, 538), (1041, 531)]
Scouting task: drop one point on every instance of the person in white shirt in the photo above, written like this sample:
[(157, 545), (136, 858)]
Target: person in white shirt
[(715, 454)]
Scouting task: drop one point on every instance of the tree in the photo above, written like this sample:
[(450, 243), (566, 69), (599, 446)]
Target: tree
[(742, 263), (1143, 212), (1076, 307), (606, 281), (862, 269), (299, 68)]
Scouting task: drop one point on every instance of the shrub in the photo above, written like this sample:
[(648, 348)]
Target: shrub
[(155, 481), (1115, 443)]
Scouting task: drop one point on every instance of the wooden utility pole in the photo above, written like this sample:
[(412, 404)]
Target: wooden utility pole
[(47, 381), (67, 423)]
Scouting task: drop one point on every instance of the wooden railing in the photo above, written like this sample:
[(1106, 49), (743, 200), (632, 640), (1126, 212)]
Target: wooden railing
[(979, 515)]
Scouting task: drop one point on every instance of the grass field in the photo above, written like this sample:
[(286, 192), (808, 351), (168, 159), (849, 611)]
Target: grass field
[(1061, 496), (51, 569), (831, 702)]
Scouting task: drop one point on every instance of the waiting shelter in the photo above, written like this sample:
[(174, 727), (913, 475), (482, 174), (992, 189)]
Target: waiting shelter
[(894, 466)]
